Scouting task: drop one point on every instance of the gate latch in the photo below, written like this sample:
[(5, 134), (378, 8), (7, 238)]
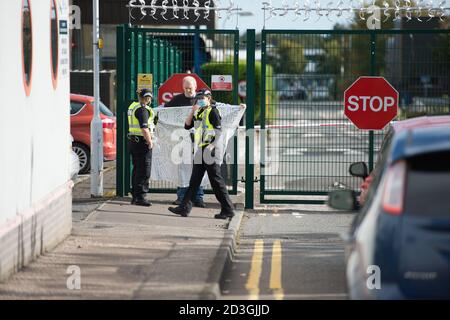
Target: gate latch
[(243, 180)]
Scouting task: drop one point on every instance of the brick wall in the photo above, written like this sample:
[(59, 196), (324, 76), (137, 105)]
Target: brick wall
[(35, 231)]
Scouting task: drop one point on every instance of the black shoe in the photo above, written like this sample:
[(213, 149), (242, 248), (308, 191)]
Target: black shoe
[(180, 211), (142, 202), (133, 200), (177, 202), (223, 215), (199, 204)]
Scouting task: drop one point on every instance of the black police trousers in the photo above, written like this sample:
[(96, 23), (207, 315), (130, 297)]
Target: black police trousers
[(141, 157), (217, 183)]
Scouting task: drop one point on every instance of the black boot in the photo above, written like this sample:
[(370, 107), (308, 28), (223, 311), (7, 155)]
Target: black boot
[(142, 202), (182, 211), (199, 204), (224, 215)]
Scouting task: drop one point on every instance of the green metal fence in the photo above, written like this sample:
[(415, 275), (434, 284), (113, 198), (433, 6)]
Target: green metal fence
[(308, 142), (164, 52)]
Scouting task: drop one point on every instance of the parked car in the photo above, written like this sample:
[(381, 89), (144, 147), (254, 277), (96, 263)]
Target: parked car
[(320, 93), (81, 113), (403, 228), (293, 92), (74, 162)]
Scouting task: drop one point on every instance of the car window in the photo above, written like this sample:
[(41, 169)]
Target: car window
[(377, 174), (428, 185), (104, 109), (384, 149), (75, 107), (383, 155)]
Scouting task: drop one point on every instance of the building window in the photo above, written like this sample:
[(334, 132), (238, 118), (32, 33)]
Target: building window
[(27, 45), (54, 42)]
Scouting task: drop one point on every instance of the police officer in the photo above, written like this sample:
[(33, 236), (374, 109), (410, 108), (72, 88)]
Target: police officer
[(206, 119), (141, 124)]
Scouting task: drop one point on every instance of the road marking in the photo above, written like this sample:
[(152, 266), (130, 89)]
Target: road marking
[(294, 151), (337, 150), (312, 135), (254, 276), (276, 214), (297, 215), (262, 214), (275, 272)]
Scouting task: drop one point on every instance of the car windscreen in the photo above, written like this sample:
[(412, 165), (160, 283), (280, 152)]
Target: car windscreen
[(75, 107), (428, 185), (104, 109)]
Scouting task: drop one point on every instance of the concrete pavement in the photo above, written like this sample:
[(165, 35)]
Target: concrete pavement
[(120, 251)]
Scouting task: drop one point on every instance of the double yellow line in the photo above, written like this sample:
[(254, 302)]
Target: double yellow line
[(254, 276)]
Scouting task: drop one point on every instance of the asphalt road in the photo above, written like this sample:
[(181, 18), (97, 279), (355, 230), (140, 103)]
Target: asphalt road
[(290, 255)]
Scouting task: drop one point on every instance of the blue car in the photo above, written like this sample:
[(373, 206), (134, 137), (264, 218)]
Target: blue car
[(398, 246)]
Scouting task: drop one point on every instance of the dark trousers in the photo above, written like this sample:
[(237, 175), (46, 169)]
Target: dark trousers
[(217, 183), (141, 157)]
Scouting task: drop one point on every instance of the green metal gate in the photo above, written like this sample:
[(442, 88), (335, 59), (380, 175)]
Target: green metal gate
[(163, 52), (307, 143)]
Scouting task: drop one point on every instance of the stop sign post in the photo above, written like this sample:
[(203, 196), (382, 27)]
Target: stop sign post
[(174, 86), (371, 103)]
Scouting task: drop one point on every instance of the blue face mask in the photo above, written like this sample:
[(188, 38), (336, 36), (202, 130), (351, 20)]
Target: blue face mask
[(202, 103)]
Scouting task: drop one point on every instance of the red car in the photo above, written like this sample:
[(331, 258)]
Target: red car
[(81, 112)]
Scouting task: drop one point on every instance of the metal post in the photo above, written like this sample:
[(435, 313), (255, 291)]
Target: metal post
[(236, 101), (249, 123), (372, 73), (120, 113), (96, 123), (197, 51)]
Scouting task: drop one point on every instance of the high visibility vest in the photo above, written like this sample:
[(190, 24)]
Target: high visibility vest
[(133, 123), (204, 130)]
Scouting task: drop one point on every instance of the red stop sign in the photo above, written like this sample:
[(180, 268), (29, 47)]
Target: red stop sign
[(174, 86), (371, 103)]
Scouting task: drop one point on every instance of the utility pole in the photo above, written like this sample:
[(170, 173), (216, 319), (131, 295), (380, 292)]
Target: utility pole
[(96, 123)]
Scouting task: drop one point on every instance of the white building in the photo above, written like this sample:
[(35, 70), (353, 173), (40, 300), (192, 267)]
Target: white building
[(35, 187)]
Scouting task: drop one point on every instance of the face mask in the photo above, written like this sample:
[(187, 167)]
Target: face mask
[(202, 103)]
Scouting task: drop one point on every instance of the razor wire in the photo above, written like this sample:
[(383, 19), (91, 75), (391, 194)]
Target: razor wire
[(395, 10), (175, 6), (347, 9)]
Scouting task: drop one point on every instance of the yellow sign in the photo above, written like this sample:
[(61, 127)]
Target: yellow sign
[(145, 81)]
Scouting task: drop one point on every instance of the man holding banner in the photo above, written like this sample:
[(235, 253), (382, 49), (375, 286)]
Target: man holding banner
[(187, 98)]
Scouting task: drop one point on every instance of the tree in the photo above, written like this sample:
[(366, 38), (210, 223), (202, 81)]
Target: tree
[(286, 57)]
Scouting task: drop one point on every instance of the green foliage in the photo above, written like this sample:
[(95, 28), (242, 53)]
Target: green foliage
[(220, 68), (287, 57), (349, 56)]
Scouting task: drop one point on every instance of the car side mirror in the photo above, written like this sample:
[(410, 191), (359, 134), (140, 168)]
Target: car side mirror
[(343, 200), (359, 169)]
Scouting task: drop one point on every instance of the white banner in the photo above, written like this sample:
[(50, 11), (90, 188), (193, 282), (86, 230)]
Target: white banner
[(173, 149)]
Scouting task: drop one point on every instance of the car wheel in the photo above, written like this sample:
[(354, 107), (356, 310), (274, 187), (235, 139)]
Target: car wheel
[(84, 155)]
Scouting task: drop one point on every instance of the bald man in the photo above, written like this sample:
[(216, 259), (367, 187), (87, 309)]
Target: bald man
[(187, 98)]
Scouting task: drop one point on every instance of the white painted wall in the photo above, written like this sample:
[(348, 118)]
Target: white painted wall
[(34, 130)]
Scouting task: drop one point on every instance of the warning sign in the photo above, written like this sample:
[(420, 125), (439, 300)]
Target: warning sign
[(222, 82), (145, 81)]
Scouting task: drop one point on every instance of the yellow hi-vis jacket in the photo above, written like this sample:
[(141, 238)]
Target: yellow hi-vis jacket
[(133, 123), (204, 130)]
